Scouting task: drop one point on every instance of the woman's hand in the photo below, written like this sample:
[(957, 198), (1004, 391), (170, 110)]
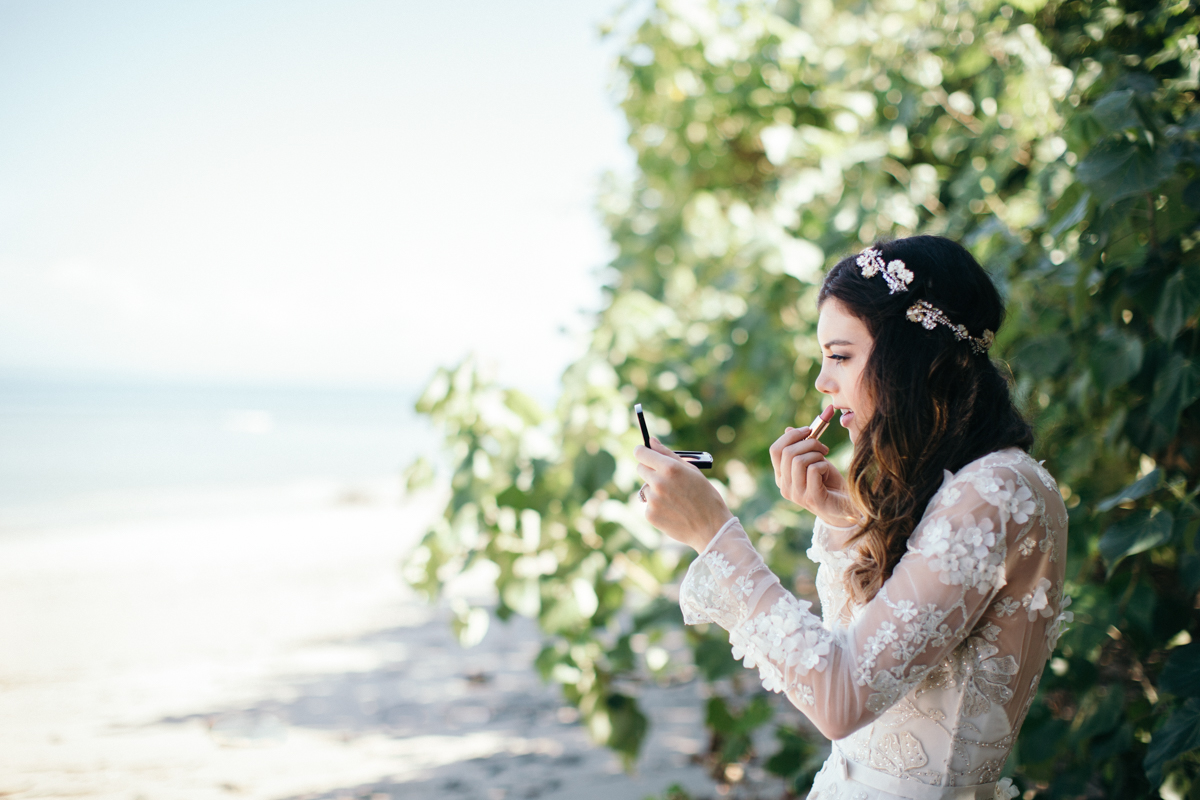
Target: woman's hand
[(808, 480), (680, 501)]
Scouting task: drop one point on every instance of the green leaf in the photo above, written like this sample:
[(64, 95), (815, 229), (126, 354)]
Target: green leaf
[(1181, 673), (1101, 711), (1191, 194), (418, 475), (674, 792), (1109, 745), (1139, 488), (718, 716), (713, 658), (661, 612), (1180, 299), (1176, 387), (1180, 734), (1116, 111), (1044, 356), (1072, 206), (1115, 359), (757, 713), (524, 406), (794, 750), (1189, 571), (628, 725), (1135, 534), (593, 472), (1116, 169)]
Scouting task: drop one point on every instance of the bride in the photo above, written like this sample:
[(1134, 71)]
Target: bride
[(941, 553)]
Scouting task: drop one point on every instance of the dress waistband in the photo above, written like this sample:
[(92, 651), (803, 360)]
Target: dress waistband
[(911, 789)]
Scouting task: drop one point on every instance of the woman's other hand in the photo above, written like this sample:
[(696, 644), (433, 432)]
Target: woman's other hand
[(808, 480), (680, 501)]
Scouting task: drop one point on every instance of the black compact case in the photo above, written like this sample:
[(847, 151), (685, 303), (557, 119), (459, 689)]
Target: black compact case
[(698, 458)]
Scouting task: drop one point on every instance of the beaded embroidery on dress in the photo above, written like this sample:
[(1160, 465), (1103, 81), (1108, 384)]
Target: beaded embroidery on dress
[(924, 688)]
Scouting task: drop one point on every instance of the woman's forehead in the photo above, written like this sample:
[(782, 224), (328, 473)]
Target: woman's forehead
[(836, 324)]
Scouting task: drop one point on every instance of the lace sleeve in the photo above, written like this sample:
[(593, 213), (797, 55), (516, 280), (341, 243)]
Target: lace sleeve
[(844, 677)]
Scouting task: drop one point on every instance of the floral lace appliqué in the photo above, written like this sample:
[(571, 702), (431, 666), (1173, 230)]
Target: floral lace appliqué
[(1056, 629), (789, 634), (884, 635), (1038, 602), (896, 753), (966, 556), (1006, 607)]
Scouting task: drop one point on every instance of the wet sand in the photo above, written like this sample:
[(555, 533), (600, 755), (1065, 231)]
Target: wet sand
[(280, 656)]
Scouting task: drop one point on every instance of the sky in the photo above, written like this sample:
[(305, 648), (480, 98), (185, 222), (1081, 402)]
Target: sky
[(348, 193)]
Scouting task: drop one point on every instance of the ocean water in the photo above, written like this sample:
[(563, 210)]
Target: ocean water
[(76, 451)]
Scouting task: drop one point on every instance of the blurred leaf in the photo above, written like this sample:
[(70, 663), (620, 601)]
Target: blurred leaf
[(1116, 112), (1180, 299), (1135, 534), (714, 660), (1180, 734), (1191, 194), (673, 792), (798, 760), (593, 472), (525, 406), (1138, 489), (1116, 358), (735, 728), (1101, 711), (1181, 673), (419, 475), (1116, 168), (628, 725), (1071, 209), (659, 612), (1176, 387), (1043, 356)]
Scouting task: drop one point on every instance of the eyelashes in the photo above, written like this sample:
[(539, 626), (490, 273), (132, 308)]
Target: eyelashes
[(835, 357)]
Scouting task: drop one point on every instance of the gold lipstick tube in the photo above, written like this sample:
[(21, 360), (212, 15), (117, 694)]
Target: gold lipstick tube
[(821, 423)]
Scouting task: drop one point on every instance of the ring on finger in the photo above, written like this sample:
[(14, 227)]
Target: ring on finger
[(642, 494)]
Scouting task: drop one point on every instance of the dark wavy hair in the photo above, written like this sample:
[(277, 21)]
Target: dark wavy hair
[(938, 405)]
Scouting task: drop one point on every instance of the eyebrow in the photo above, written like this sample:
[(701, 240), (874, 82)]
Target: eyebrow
[(827, 345)]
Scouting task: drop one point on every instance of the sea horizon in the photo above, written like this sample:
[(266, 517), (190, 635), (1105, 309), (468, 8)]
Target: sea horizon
[(78, 449)]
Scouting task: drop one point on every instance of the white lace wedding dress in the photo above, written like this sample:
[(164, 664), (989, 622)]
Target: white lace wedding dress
[(924, 688)]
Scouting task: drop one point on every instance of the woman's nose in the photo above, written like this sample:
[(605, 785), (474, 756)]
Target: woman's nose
[(824, 384)]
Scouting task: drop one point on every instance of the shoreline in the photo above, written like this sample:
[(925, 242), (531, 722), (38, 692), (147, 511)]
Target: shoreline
[(278, 654)]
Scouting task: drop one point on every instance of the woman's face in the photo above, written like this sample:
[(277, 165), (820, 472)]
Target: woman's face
[(845, 347)]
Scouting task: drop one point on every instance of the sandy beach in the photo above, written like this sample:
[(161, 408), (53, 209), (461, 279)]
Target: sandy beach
[(279, 655)]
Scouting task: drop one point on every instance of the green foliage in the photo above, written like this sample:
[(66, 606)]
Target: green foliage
[(674, 792), (1059, 141), (798, 759), (732, 729)]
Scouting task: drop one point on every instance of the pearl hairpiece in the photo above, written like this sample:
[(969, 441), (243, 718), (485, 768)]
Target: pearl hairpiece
[(897, 275), (928, 316)]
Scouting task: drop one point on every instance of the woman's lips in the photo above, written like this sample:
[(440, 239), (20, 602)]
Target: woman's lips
[(846, 417)]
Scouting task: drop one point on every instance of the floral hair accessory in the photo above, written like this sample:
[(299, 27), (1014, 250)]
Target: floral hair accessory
[(895, 272), (929, 316)]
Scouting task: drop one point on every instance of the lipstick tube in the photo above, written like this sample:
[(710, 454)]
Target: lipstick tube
[(821, 423)]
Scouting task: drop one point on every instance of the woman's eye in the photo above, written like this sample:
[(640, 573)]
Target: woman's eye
[(836, 357)]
